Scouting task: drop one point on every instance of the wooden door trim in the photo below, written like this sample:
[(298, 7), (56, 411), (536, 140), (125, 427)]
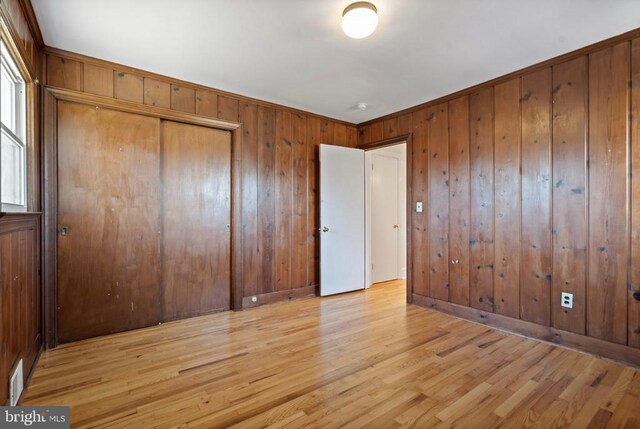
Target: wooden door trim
[(49, 191), (408, 139)]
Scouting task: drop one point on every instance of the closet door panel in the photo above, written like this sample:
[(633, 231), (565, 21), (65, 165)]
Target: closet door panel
[(196, 187), (109, 207)]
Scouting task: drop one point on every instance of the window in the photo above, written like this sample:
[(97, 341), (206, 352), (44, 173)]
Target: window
[(13, 148)]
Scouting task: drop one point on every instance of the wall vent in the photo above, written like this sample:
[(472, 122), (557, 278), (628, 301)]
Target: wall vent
[(16, 385)]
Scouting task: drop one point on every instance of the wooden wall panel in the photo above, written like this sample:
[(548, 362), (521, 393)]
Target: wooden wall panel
[(459, 203), (284, 200), (24, 32), (227, 108), (577, 124), (266, 198), (157, 93), (97, 80), (482, 199), (183, 99), (507, 198), (535, 280), (420, 193), (252, 260), (438, 117), (279, 190), (313, 206), (634, 289), (299, 258), (377, 132), (206, 103), (608, 203), (64, 73), (570, 193), (128, 86)]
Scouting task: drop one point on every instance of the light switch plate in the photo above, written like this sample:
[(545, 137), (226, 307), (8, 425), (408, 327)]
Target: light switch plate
[(419, 207)]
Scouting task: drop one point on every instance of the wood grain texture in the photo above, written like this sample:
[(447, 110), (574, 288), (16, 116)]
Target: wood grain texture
[(570, 194), (252, 261), (64, 73), (420, 193), (206, 103), (325, 371), (634, 304), (299, 260), (227, 108), (481, 232), (196, 212), (157, 93), (266, 197), (97, 80), (535, 280), (507, 198), (183, 99), (129, 87), (102, 288), (20, 296), (438, 117), (608, 203), (459, 200), (283, 199), (313, 206), (578, 125)]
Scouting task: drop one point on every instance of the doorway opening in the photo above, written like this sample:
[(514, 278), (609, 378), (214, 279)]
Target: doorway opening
[(386, 214)]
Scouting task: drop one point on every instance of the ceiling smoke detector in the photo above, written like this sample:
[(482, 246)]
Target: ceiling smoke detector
[(362, 106)]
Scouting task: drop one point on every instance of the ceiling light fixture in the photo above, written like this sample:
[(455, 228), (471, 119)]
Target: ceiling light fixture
[(359, 19)]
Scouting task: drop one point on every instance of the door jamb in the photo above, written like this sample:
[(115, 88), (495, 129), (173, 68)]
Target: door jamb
[(408, 139), (49, 191)]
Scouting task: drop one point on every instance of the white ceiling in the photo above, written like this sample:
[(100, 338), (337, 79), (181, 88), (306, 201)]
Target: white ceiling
[(293, 52)]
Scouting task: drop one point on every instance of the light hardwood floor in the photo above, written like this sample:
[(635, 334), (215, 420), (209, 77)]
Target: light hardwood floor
[(364, 359)]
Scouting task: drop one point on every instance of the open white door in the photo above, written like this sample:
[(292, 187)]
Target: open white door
[(342, 190)]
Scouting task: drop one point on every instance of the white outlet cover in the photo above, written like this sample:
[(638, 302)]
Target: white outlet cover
[(566, 300)]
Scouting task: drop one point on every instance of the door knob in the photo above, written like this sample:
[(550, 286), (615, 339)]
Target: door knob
[(396, 226), (325, 229)]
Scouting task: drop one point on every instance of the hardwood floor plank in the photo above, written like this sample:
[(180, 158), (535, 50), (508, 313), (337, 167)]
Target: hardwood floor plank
[(362, 359)]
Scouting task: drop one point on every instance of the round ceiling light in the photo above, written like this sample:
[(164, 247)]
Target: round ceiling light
[(359, 19)]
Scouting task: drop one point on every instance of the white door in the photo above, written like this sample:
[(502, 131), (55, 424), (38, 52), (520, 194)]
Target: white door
[(341, 219), (385, 222)]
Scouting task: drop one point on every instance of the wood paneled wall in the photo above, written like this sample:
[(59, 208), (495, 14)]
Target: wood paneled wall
[(528, 190), (279, 165), (20, 281), (20, 315), (23, 29)]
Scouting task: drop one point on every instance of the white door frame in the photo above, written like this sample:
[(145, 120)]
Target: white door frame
[(402, 215)]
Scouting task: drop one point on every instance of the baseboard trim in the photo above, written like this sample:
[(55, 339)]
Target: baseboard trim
[(616, 352), (283, 295)]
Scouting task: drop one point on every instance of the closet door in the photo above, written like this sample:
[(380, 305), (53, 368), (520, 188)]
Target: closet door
[(196, 188), (108, 221)]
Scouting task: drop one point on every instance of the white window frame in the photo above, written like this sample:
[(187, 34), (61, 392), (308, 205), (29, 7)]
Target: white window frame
[(16, 131)]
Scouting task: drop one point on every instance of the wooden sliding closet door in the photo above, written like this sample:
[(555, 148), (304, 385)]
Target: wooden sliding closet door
[(108, 221), (196, 186)]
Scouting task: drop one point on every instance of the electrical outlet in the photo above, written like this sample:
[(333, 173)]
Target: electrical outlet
[(15, 385), (567, 300), (254, 299), (419, 207)]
